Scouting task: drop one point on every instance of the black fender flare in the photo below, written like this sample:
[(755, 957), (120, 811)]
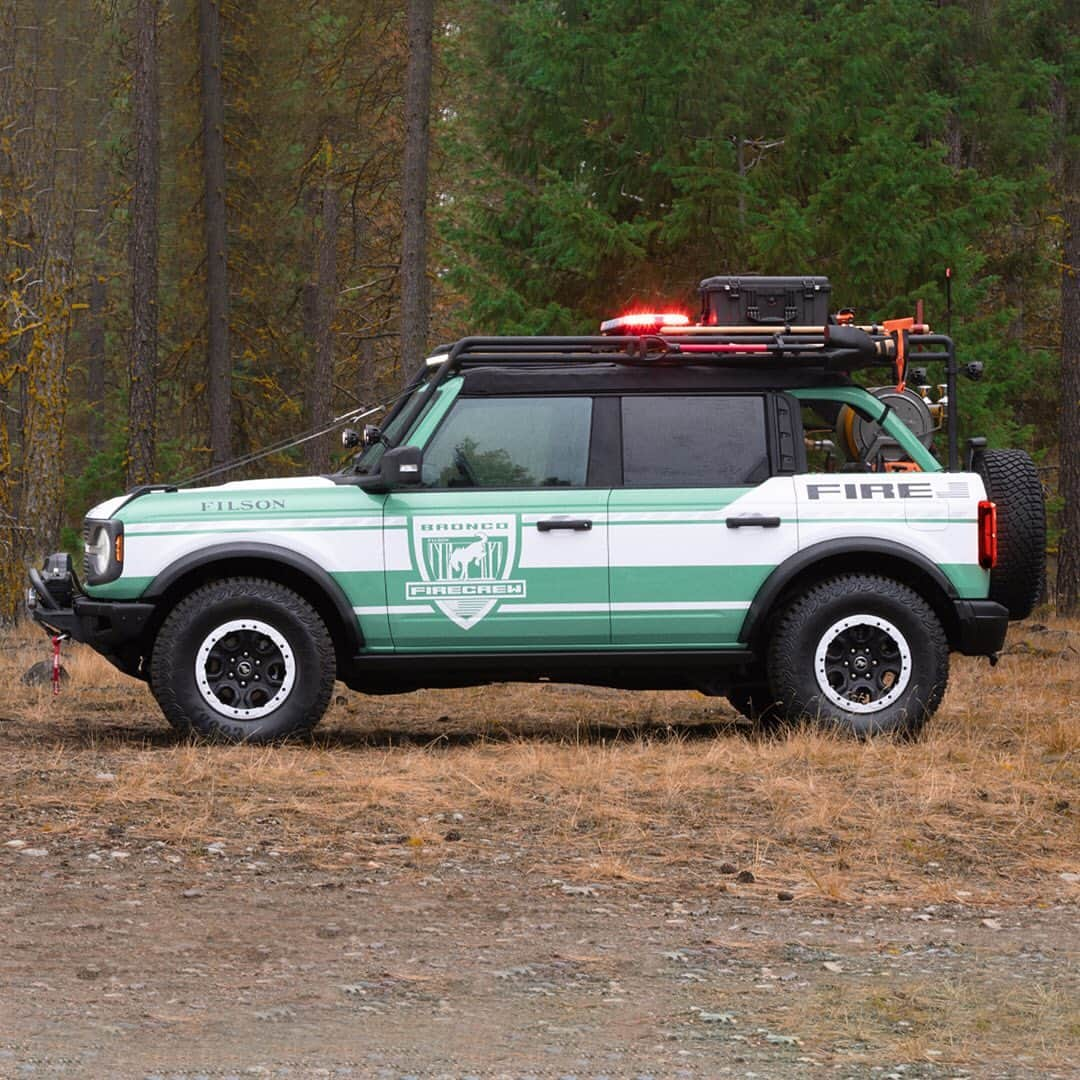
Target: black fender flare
[(272, 553), (773, 586)]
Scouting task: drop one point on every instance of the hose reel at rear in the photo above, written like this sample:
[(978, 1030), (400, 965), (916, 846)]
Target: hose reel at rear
[(864, 441)]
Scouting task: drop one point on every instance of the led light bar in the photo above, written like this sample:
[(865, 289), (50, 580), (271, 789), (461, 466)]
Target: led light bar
[(644, 322)]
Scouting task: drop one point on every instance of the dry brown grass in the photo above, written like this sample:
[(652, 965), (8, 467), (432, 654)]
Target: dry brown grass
[(588, 785), (949, 1021)]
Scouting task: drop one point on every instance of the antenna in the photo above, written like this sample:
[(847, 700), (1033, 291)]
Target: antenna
[(948, 300)]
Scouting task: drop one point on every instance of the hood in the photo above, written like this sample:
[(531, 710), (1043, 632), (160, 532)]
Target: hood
[(279, 484)]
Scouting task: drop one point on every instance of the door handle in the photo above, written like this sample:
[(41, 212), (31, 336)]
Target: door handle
[(573, 524), (753, 521)]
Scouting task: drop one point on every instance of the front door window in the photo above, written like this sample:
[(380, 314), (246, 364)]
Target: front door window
[(511, 443)]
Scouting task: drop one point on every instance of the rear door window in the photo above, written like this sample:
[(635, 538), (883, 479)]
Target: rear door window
[(698, 440)]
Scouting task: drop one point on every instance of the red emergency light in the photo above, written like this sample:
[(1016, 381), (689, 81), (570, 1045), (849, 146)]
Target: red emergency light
[(644, 322)]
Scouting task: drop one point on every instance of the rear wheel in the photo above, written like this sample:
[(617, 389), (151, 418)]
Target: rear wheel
[(243, 660), (1012, 482), (861, 653)]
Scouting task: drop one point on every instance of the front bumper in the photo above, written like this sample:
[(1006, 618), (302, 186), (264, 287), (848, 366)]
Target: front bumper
[(980, 627), (116, 629)]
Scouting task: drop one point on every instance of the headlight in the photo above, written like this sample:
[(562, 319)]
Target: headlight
[(103, 547), (98, 552)]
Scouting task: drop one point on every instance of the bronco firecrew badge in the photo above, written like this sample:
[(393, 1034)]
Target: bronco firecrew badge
[(466, 564)]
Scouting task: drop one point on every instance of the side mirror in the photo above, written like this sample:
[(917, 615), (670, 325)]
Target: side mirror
[(402, 466)]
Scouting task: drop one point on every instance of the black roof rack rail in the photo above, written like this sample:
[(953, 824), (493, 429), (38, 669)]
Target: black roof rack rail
[(836, 348)]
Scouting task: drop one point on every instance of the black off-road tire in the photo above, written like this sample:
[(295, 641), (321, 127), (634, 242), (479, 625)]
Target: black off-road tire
[(1012, 482), (868, 605), (253, 603)]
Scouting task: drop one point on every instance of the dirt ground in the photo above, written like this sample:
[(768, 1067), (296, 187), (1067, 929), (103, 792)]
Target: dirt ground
[(542, 881)]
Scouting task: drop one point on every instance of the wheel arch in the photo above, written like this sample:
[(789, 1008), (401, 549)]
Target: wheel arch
[(831, 558), (273, 563)]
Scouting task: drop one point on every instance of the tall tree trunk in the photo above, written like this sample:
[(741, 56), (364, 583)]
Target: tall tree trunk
[(54, 163), (9, 533), (99, 248), (8, 97), (415, 295), (144, 250), (1068, 580), (219, 363), (320, 391), (95, 335)]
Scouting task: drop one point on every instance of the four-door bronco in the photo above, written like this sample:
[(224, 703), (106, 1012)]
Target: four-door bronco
[(715, 505)]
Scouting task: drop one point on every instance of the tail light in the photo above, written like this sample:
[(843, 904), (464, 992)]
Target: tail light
[(988, 548)]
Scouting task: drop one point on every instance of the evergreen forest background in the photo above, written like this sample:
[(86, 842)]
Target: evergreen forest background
[(224, 222)]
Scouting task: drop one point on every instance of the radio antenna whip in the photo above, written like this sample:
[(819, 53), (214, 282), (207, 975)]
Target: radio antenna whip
[(948, 300), (282, 445)]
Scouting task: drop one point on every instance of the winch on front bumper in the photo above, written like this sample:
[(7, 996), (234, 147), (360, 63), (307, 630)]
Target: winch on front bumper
[(116, 629)]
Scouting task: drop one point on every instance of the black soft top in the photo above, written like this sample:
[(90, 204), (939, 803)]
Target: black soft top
[(491, 379)]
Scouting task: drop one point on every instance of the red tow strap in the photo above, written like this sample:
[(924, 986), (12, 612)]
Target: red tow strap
[(728, 347)]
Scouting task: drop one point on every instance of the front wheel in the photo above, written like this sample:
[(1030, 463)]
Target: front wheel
[(862, 653), (243, 660)]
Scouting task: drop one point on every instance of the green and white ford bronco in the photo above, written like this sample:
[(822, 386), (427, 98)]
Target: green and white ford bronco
[(662, 506)]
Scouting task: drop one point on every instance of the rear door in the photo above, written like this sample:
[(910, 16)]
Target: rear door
[(504, 546), (705, 511)]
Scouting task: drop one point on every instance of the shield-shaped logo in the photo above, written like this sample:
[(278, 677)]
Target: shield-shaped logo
[(465, 563)]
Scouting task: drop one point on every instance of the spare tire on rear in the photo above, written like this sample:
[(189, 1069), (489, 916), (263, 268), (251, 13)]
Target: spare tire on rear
[(1012, 482)]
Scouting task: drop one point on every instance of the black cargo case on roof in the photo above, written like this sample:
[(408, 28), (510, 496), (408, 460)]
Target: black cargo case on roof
[(754, 300)]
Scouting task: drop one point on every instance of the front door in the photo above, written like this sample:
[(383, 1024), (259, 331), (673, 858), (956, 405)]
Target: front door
[(504, 546)]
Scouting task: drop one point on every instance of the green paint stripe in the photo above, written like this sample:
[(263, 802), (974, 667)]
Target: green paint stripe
[(887, 521), (630, 584), (611, 524), (496, 647), (507, 614), (124, 588), (970, 580), (260, 529), (687, 521)]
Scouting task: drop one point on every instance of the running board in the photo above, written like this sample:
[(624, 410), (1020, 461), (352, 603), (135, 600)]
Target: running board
[(667, 669)]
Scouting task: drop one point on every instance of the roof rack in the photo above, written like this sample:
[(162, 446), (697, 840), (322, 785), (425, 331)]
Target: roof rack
[(833, 348)]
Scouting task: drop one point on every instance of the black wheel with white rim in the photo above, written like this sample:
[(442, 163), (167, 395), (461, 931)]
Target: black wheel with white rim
[(862, 663), (243, 660), (245, 669), (861, 653)]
